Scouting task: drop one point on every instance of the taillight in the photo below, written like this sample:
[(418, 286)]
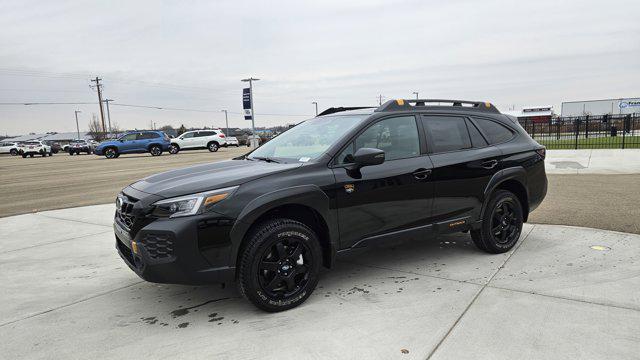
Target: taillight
[(542, 152), (221, 135)]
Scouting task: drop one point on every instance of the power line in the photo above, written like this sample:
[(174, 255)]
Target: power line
[(113, 103)]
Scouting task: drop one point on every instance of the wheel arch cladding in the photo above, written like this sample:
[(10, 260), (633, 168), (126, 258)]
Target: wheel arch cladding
[(306, 204), (514, 180)]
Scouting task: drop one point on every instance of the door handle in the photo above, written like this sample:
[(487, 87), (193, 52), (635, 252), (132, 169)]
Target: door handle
[(489, 164), (421, 174)]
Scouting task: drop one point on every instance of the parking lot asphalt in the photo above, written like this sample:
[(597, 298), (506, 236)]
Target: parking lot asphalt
[(61, 181), (586, 187), (563, 292)]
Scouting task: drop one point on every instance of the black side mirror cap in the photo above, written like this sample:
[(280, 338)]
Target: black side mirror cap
[(366, 157)]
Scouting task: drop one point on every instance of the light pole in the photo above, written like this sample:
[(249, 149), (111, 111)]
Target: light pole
[(316, 104), (108, 114), (77, 126), (254, 141), (416, 94), (226, 120)]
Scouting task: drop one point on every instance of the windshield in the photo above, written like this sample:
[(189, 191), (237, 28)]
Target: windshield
[(32, 143), (307, 140)]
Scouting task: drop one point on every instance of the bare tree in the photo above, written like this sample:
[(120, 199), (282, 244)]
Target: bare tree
[(95, 130)]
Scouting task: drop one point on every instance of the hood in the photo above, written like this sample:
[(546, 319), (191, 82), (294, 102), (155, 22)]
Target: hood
[(206, 177)]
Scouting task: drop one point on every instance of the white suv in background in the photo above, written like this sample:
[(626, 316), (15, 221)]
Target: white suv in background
[(198, 139), (35, 147), (9, 148)]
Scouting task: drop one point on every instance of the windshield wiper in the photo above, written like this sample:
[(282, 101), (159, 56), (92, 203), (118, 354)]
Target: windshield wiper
[(265, 158)]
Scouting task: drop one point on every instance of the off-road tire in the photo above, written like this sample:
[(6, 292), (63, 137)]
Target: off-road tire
[(489, 237), (261, 245)]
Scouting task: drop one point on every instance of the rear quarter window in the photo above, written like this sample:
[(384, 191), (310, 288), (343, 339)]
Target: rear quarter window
[(494, 132)]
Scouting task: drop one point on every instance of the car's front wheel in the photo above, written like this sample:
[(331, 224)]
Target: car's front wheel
[(110, 153), (173, 149), (501, 224), (278, 269), (13, 152), (155, 150)]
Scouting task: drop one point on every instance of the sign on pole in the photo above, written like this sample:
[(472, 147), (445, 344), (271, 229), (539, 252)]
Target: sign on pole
[(246, 104)]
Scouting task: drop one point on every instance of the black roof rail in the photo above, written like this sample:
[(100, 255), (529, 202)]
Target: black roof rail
[(414, 104), (333, 110)]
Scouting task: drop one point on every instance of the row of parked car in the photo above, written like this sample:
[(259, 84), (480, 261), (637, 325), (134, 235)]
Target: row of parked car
[(153, 142)]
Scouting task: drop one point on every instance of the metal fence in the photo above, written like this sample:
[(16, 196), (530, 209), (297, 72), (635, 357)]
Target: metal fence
[(587, 132)]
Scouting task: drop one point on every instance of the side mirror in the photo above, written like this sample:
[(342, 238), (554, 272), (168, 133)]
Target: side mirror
[(366, 157)]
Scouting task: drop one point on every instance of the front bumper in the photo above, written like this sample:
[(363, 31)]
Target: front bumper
[(192, 250)]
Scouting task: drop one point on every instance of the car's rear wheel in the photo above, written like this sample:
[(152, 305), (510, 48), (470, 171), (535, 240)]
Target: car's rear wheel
[(174, 149), (501, 225), (110, 153), (213, 146), (13, 152), (24, 156), (279, 265), (155, 150), (31, 155)]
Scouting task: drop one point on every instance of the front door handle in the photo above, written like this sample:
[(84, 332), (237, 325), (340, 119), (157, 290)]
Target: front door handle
[(421, 174), (489, 164)]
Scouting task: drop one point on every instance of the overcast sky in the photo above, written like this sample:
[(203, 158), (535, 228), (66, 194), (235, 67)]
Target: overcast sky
[(192, 54)]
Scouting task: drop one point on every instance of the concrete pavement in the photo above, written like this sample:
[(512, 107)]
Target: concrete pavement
[(563, 292), (593, 161)]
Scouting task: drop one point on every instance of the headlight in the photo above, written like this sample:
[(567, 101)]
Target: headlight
[(191, 204)]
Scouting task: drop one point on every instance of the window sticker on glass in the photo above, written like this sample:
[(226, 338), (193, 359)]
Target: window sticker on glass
[(304, 159)]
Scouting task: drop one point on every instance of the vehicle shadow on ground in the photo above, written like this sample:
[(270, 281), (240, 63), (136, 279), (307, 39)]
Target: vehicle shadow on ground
[(388, 269)]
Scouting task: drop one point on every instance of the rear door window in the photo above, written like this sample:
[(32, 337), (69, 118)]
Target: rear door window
[(493, 131), (446, 133)]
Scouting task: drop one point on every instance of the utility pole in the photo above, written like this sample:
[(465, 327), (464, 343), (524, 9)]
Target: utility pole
[(226, 121), (316, 104), (77, 126), (254, 141), (380, 99), (108, 113), (416, 94), (99, 88)]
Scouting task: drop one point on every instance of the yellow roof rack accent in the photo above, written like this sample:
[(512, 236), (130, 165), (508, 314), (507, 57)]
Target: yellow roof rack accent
[(400, 102)]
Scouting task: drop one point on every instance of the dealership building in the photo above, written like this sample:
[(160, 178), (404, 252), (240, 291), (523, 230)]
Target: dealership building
[(621, 106)]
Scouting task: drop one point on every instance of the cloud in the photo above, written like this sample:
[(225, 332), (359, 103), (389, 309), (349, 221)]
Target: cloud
[(192, 54)]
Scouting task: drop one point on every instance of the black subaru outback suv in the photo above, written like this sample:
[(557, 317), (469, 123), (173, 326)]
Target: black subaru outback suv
[(349, 178)]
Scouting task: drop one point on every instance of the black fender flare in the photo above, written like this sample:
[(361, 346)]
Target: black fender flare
[(306, 195), (517, 173)]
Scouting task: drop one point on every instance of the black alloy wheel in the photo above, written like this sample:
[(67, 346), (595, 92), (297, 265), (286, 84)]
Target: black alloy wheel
[(173, 149), (504, 225), (110, 153), (213, 147), (501, 224), (279, 266), (155, 150)]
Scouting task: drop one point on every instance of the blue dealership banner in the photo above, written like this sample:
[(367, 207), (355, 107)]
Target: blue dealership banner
[(246, 103)]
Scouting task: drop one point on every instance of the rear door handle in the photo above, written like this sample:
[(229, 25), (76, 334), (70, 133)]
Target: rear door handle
[(489, 164), (421, 174)]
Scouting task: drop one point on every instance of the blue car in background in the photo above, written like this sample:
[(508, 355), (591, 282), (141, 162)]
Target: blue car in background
[(153, 142)]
